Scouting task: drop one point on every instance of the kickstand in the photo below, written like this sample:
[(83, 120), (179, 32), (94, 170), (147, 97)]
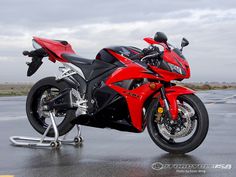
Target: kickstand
[(48, 142)]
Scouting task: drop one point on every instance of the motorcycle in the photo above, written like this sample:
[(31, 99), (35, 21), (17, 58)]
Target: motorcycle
[(123, 88)]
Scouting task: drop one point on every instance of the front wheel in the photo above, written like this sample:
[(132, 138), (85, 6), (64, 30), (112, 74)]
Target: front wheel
[(186, 133)]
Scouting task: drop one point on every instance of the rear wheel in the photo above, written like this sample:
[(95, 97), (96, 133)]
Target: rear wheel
[(183, 135), (48, 88)]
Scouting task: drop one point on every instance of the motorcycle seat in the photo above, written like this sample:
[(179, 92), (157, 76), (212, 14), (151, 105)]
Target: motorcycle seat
[(73, 58), (90, 68)]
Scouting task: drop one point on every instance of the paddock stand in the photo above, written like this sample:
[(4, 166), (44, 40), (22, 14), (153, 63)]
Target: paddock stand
[(48, 142)]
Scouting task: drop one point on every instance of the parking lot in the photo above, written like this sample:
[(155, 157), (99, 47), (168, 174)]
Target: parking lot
[(108, 152)]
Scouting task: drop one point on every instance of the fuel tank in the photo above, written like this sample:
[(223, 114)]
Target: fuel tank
[(127, 51)]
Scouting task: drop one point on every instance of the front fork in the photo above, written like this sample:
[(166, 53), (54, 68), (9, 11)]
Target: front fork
[(169, 97), (171, 108)]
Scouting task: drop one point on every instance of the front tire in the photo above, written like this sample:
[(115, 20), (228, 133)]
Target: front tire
[(38, 119), (199, 132)]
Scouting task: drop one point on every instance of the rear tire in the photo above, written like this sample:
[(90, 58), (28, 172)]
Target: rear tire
[(190, 144), (32, 102)]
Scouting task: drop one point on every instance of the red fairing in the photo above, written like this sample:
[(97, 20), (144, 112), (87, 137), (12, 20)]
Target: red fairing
[(166, 75), (131, 71), (135, 98), (171, 57), (152, 42), (54, 48)]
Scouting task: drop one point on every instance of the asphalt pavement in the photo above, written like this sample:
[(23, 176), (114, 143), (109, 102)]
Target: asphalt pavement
[(107, 152)]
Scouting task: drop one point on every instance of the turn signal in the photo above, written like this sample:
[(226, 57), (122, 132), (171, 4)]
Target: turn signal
[(152, 85), (160, 110)]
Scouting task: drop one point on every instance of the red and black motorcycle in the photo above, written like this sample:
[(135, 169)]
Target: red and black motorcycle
[(124, 88)]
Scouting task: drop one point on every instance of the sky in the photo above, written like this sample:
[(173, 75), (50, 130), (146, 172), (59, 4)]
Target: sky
[(209, 25)]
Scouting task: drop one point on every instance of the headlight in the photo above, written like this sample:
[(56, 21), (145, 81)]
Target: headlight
[(176, 69), (36, 45)]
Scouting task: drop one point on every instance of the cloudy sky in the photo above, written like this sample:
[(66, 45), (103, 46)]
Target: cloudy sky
[(209, 25)]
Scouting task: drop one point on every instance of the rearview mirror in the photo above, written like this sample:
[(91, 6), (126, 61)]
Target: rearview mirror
[(184, 43), (160, 37)]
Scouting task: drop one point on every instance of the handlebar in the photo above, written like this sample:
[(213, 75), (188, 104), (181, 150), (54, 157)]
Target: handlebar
[(151, 56), (147, 53)]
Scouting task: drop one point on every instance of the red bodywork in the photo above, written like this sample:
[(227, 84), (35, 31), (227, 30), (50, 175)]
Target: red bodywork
[(135, 98), (170, 57), (54, 48)]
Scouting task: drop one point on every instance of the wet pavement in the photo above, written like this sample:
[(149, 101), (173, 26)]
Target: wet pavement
[(108, 152)]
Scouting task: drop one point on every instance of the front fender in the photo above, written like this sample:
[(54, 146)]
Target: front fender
[(179, 90), (171, 94)]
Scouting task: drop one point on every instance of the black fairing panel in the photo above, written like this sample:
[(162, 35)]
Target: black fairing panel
[(105, 96), (90, 68), (163, 65), (95, 69), (94, 85), (115, 116), (105, 56)]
